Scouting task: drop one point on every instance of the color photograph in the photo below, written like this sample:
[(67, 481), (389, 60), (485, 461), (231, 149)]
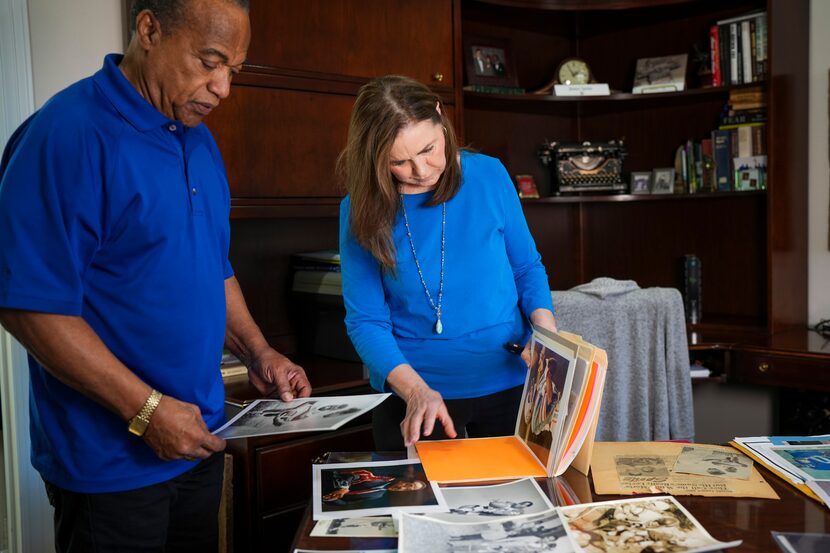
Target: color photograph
[(813, 462), (370, 489), (539, 532), (484, 503), (541, 401), (273, 416)]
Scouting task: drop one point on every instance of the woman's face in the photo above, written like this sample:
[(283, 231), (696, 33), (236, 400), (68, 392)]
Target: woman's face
[(417, 158)]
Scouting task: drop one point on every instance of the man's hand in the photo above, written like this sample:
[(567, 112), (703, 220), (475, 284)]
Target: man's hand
[(423, 407), (270, 370), (177, 431)]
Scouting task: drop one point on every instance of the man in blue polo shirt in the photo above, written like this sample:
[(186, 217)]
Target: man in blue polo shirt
[(114, 275)]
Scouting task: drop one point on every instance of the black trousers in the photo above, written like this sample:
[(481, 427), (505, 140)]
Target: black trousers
[(478, 417), (180, 515)]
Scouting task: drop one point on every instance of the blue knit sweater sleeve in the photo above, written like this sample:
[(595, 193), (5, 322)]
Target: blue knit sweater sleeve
[(368, 320), (525, 260)]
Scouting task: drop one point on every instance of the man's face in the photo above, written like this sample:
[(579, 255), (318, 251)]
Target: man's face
[(193, 65)]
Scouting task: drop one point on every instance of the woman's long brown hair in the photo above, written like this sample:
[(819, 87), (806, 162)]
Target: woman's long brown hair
[(383, 107)]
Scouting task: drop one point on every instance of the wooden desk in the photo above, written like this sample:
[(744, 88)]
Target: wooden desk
[(750, 520)]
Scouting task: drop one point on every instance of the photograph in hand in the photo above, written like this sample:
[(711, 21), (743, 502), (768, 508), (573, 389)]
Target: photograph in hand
[(273, 416)]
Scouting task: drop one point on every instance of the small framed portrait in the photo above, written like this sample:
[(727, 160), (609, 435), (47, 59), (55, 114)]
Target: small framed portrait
[(640, 182), (489, 61), (526, 186), (662, 181)]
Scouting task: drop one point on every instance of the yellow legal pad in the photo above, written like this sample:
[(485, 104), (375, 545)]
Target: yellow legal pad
[(478, 459)]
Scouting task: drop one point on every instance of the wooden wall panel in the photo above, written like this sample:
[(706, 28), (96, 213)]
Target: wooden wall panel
[(281, 143), (361, 38), (260, 255), (645, 241), (555, 229)]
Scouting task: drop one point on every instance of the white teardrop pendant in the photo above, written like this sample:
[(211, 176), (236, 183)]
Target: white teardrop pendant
[(439, 328)]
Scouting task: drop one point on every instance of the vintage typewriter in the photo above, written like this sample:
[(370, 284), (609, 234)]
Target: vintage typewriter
[(584, 167)]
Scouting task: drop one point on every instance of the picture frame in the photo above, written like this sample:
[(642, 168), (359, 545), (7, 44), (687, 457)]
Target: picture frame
[(663, 74), (640, 182), (526, 186), (662, 180), (489, 61)]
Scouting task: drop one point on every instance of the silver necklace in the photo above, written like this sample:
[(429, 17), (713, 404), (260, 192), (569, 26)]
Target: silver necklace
[(438, 328)]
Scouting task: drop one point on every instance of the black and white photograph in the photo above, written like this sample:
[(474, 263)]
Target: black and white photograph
[(707, 461), (273, 416), (663, 74), (630, 467), (539, 532), (358, 527), (640, 182), (347, 490), (485, 503), (645, 524), (662, 181)]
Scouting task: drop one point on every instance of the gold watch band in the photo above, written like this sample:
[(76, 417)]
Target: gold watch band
[(138, 424)]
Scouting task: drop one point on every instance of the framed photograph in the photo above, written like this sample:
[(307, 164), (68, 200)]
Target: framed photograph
[(640, 182), (665, 74), (526, 185), (662, 181), (489, 62)]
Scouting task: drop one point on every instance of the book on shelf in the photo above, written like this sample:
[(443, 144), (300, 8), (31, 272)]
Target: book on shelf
[(318, 282), (801, 461), (555, 426), (721, 153), (738, 47), (750, 173), (323, 260)]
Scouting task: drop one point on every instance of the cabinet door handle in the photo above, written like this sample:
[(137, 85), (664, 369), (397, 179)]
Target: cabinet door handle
[(438, 77), (763, 367)]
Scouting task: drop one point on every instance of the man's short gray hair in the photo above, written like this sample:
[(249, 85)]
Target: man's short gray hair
[(171, 13)]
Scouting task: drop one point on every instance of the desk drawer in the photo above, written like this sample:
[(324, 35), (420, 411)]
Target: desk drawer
[(780, 370), (284, 470)]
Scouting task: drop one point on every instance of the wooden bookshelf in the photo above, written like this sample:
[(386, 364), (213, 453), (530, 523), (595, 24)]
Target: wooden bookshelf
[(752, 244)]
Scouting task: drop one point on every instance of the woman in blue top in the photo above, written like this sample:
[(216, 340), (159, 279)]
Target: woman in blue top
[(440, 271)]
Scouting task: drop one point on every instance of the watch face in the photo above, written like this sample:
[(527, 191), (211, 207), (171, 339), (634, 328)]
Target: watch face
[(574, 71)]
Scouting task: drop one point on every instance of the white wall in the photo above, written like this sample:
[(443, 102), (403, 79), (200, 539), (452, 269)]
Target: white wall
[(70, 39), (819, 174)]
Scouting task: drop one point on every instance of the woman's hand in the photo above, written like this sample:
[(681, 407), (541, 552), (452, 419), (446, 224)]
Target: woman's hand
[(424, 406), (542, 318)]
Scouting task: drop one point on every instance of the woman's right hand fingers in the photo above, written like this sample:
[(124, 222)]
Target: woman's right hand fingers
[(423, 408)]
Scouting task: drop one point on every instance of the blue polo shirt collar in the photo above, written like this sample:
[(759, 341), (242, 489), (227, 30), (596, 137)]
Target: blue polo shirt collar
[(125, 98)]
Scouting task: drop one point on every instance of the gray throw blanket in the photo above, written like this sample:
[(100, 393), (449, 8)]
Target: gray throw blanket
[(648, 389)]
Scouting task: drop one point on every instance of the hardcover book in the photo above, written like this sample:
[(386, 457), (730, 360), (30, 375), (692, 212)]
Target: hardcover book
[(555, 427)]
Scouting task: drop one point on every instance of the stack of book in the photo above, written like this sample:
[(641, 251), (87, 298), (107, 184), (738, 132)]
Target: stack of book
[(743, 128), (739, 49), (317, 272)]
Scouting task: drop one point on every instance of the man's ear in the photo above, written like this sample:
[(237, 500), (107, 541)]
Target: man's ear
[(147, 29)]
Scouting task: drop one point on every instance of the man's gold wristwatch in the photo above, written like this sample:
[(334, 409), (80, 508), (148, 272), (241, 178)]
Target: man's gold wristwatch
[(139, 423)]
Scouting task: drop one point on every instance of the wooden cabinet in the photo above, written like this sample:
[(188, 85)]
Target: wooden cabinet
[(272, 481), (752, 245), (286, 120), (363, 39)]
